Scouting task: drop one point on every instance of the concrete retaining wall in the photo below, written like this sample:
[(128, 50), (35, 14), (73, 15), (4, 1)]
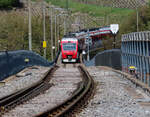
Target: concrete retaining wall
[(110, 58), (12, 62)]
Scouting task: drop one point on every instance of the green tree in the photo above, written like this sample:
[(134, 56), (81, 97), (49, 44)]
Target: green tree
[(130, 25), (8, 3)]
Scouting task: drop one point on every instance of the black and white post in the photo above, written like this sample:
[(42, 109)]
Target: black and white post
[(114, 30)]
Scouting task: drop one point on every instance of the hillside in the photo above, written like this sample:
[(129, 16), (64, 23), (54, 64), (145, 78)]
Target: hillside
[(122, 12), (102, 15), (14, 23), (14, 29), (143, 21), (110, 15)]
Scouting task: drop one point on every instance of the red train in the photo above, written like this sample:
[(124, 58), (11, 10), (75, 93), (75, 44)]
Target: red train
[(69, 50)]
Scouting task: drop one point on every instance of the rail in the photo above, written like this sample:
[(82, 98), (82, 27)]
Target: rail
[(82, 94), (133, 79), (17, 98)]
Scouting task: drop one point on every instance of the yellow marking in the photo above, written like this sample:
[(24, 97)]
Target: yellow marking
[(26, 60), (44, 44), (132, 67)]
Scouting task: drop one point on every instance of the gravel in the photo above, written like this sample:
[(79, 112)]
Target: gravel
[(64, 82), (111, 98), (23, 79)]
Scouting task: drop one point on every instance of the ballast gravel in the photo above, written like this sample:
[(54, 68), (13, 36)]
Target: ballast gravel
[(111, 98), (23, 79), (64, 82)]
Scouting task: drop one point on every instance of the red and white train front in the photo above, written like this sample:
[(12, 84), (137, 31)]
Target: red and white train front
[(69, 50)]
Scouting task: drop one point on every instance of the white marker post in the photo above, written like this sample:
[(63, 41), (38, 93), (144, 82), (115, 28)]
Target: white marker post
[(114, 29)]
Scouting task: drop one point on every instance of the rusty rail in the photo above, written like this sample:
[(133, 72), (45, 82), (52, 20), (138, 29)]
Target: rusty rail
[(21, 96), (134, 80), (66, 107)]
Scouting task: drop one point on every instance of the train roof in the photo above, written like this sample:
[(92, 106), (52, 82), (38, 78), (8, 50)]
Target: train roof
[(69, 39)]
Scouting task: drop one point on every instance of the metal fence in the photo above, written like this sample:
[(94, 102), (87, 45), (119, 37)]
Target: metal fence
[(136, 52), (110, 58), (132, 4)]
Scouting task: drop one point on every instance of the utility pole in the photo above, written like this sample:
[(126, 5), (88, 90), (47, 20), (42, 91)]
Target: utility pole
[(65, 25), (137, 20), (137, 16), (58, 35), (67, 6), (88, 56), (30, 28), (55, 32), (67, 18), (44, 29), (51, 19)]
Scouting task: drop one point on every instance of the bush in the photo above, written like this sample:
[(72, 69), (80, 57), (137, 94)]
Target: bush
[(14, 32), (130, 25), (9, 3)]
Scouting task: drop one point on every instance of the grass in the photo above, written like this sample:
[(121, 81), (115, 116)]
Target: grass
[(93, 10)]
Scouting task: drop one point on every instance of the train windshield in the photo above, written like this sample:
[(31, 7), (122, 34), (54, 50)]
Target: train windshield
[(69, 46)]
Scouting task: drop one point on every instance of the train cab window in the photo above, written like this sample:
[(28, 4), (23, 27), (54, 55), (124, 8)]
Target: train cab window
[(69, 46)]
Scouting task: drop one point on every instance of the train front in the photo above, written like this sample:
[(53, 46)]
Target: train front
[(69, 49)]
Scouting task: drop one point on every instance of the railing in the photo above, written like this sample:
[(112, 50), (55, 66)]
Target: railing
[(136, 52)]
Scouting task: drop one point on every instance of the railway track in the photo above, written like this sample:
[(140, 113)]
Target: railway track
[(81, 92), (11, 101), (72, 105)]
